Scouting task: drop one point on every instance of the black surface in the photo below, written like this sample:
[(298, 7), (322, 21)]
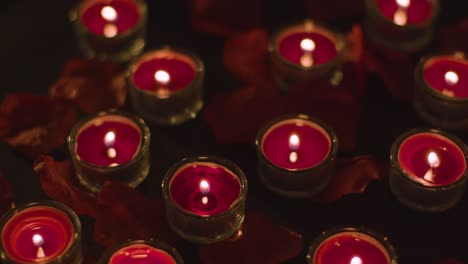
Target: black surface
[(37, 39)]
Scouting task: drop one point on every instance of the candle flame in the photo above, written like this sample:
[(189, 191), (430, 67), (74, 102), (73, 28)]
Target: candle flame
[(38, 240), (109, 139), (403, 3), (307, 60), (204, 200), (162, 77), (293, 157), (294, 142), (204, 186), (401, 17), (110, 30), (307, 45), (111, 153), (356, 260), (433, 160), (109, 13), (451, 78)]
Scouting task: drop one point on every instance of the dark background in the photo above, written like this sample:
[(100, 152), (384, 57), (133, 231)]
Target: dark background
[(36, 40)]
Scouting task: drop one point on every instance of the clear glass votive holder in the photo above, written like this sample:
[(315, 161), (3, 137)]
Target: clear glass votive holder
[(166, 85), (45, 232), (428, 169), (296, 155), (110, 145), (205, 198), (110, 29)]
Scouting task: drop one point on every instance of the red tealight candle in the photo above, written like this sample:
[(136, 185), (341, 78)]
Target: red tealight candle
[(428, 169), (403, 12), (40, 233), (350, 246), (295, 154), (166, 85), (448, 75), (141, 254)]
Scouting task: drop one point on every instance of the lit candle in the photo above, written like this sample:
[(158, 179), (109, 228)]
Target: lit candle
[(166, 86), (46, 232), (197, 191), (305, 51), (141, 252), (441, 90), (113, 29), (351, 246), (296, 154), (429, 169), (401, 24), (112, 144)]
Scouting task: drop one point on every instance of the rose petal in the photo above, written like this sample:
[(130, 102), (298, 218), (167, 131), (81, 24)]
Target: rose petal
[(449, 261), (225, 17), (126, 213), (351, 175), (93, 85), (6, 195), (258, 241), (35, 124), (454, 37), (334, 10), (59, 182)]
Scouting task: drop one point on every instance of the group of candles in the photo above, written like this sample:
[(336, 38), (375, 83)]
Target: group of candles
[(205, 196)]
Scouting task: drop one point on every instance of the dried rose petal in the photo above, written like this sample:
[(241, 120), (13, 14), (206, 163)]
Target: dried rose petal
[(351, 175), (126, 213), (93, 85), (59, 182), (225, 17), (258, 241), (334, 10), (454, 37), (6, 195), (35, 124)]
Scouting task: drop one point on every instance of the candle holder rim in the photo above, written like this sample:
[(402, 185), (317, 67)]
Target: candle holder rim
[(144, 142), (75, 14), (327, 128), (451, 137), (153, 242), (236, 170), (73, 217), (382, 239), (372, 5), (340, 44), (421, 81), (199, 67)]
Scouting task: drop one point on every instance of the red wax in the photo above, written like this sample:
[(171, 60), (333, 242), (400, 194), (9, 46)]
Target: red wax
[(435, 71), (417, 12), (141, 254), (343, 247), (290, 47), (314, 144), (50, 224), (127, 12), (414, 158), (204, 188), (91, 146), (179, 67)]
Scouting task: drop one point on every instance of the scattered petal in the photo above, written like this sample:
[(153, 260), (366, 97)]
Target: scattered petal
[(454, 37), (334, 10), (449, 261), (6, 195), (258, 241)]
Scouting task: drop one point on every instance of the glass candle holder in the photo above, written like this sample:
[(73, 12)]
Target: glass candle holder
[(441, 90), (166, 85), (140, 252), (428, 169), (296, 154), (406, 25), (41, 232), (351, 245), (305, 51), (205, 198), (110, 145), (110, 29)]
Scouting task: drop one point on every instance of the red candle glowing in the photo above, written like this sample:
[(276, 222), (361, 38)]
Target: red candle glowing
[(38, 233), (204, 188), (431, 159), (141, 254), (296, 144), (404, 12), (109, 140), (350, 248), (447, 75), (111, 17)]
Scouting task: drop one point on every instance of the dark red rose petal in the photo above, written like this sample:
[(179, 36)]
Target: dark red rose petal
[(258, 241), (225, 17), (334, 10), (454, 37), (6, 195), (35, 124), (126, 213), (93, 85), (59, 182), (351, 175)]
